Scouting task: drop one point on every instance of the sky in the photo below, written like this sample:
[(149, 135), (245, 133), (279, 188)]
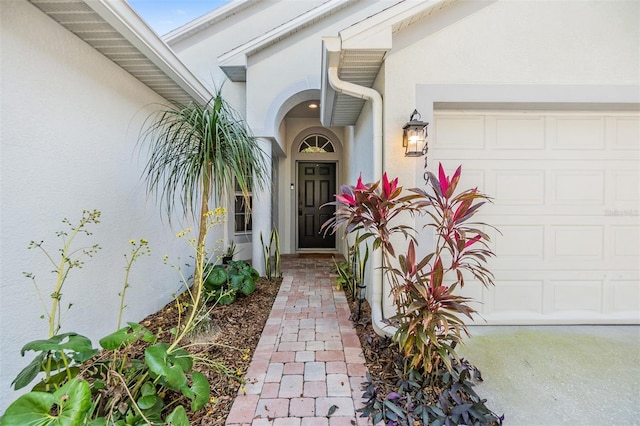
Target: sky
[(166, 15)]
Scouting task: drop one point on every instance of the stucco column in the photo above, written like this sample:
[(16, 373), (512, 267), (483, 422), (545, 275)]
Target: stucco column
[(261, 212)]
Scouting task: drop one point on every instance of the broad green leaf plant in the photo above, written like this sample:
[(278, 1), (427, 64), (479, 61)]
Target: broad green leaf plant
[(430, 317)]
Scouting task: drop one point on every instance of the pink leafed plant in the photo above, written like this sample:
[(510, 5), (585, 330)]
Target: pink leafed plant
[(430, 317)]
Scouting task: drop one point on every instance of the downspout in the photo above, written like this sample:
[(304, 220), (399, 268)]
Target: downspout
[(341, 86)]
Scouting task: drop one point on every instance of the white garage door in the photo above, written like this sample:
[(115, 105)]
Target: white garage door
[(566, 200)]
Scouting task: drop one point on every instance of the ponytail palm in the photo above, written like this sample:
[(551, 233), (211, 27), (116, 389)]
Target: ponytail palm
[(196, 152), (199, 151)]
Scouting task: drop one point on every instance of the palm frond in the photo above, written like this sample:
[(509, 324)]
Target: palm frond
[(188, 142)]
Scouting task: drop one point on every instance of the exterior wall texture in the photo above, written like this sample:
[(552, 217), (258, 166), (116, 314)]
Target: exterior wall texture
[(509, 42), (70, 122)]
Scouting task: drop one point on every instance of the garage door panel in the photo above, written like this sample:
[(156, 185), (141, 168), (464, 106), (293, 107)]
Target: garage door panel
[(546, 247), (624, 242), (522, 242), (626, 187), (461, 132), (577, 133), (470, 178), (576, 295), (561, 296), (559, 158), (625, 296), (566, 194), (623, 133), (511, 183), (518, 132), (582, 243), (519, 187), (572, 187), (516, 296)]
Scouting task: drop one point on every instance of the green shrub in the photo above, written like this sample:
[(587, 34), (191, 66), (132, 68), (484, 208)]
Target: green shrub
[(224, 282)]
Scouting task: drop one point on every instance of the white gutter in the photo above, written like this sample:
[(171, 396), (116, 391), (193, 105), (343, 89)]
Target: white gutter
[(341, 86)]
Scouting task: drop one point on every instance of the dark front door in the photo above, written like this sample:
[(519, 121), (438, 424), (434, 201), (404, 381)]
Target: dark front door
[(316, 186)]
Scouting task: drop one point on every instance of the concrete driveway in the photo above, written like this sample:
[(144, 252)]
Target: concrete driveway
[(559, 375)]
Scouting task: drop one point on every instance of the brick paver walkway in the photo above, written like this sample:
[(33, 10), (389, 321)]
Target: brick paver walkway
[(309, 361)]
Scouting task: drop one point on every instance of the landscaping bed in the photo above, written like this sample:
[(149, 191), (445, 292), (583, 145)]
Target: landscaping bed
[(384, 364), (229, 339), (234, 333)]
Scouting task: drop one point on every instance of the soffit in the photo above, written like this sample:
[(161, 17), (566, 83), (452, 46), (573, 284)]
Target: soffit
[(115, 30), (358, 66), (359, 52)]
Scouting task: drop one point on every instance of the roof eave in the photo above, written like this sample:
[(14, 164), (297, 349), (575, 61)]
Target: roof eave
[(130, 25), (114, 29), (205, 21)]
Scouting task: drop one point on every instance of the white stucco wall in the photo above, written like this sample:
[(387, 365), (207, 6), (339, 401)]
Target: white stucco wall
[(70, 120), (508, 42)]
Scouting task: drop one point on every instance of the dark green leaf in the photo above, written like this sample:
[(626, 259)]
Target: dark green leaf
[(148, 389), (248, 286), (217, 276), (159, 362), (182, 358), (56, 380), (31, 408), (236, 281), (147, 401), (67, 341), (73, 401), (201, 390), (178, 417), (123, 337), (29, 373)]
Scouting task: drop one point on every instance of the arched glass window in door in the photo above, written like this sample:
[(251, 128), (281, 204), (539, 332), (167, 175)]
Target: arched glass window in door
[(316, 143)]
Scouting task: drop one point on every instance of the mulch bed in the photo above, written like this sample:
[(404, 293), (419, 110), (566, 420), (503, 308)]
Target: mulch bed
[(378, 351), (231, 337)]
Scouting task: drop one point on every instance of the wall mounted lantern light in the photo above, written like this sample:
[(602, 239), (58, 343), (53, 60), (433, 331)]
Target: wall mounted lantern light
[(414, 136)]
